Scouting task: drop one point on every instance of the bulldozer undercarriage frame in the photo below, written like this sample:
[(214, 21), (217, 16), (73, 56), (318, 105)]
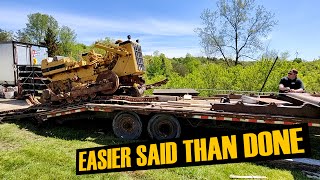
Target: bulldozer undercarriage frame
[(106, 83)]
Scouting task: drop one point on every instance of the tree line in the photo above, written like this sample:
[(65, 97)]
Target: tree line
[(212, 76), (43, 29), (232, 31)]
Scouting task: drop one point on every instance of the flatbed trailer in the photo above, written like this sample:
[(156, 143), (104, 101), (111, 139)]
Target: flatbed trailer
[(162, 116)]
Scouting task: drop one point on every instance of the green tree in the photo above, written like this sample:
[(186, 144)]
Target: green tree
[(5, 35), (159, 65), (235, 28), (191, 63), (78, 49), (155, 67), (297, 60), (106, 41), (22, 36), (67, 39), (51, 43), (37, 26), (179, 68)]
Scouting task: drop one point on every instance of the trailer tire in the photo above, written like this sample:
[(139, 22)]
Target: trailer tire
[(162, 126), (127, 125)]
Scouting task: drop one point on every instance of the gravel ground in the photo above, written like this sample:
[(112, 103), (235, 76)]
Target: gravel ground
[(10, 104)]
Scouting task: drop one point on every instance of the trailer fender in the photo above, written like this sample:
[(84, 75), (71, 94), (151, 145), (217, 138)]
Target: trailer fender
[(127, 125), (163, 126)]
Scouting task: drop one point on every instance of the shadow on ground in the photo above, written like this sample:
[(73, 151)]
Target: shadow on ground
[(100, 131)]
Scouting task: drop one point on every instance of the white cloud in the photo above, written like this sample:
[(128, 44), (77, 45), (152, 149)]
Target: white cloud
[(169, 36), (171, 52), (84, 24), (148, 26)]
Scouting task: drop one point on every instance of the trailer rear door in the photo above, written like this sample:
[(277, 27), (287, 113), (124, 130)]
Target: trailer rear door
[(7, 67), (22, 54)]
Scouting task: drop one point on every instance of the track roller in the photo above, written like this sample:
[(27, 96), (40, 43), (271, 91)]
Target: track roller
[(163, 126), (127, 125)]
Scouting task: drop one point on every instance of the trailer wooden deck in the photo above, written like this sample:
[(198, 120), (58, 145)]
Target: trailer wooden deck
[(197, 109), (164, 116)]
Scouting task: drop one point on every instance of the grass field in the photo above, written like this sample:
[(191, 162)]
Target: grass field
[(29, 152)]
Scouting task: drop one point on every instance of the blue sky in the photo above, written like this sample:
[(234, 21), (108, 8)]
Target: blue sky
[(167, 25)]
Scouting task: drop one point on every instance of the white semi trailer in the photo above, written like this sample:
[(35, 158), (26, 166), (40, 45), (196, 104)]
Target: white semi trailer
[(20, 66)]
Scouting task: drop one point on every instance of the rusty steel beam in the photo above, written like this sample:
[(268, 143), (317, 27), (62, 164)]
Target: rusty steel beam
[(306, 110), (305, 97)]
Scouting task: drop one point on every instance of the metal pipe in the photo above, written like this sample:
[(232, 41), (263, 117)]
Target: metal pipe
[(268, 74)]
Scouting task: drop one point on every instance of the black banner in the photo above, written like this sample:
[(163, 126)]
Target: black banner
[(256, 145)]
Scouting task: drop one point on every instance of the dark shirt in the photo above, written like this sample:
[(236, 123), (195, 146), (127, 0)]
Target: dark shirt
[(292, 84)]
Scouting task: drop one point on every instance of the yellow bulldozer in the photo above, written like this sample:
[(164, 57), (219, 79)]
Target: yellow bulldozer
[(118, 71)]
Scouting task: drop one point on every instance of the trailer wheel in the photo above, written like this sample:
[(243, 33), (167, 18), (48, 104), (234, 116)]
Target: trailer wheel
[(162, 126), (127, 125)]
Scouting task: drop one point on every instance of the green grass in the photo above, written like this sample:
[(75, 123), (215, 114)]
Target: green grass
[(29, 152)]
